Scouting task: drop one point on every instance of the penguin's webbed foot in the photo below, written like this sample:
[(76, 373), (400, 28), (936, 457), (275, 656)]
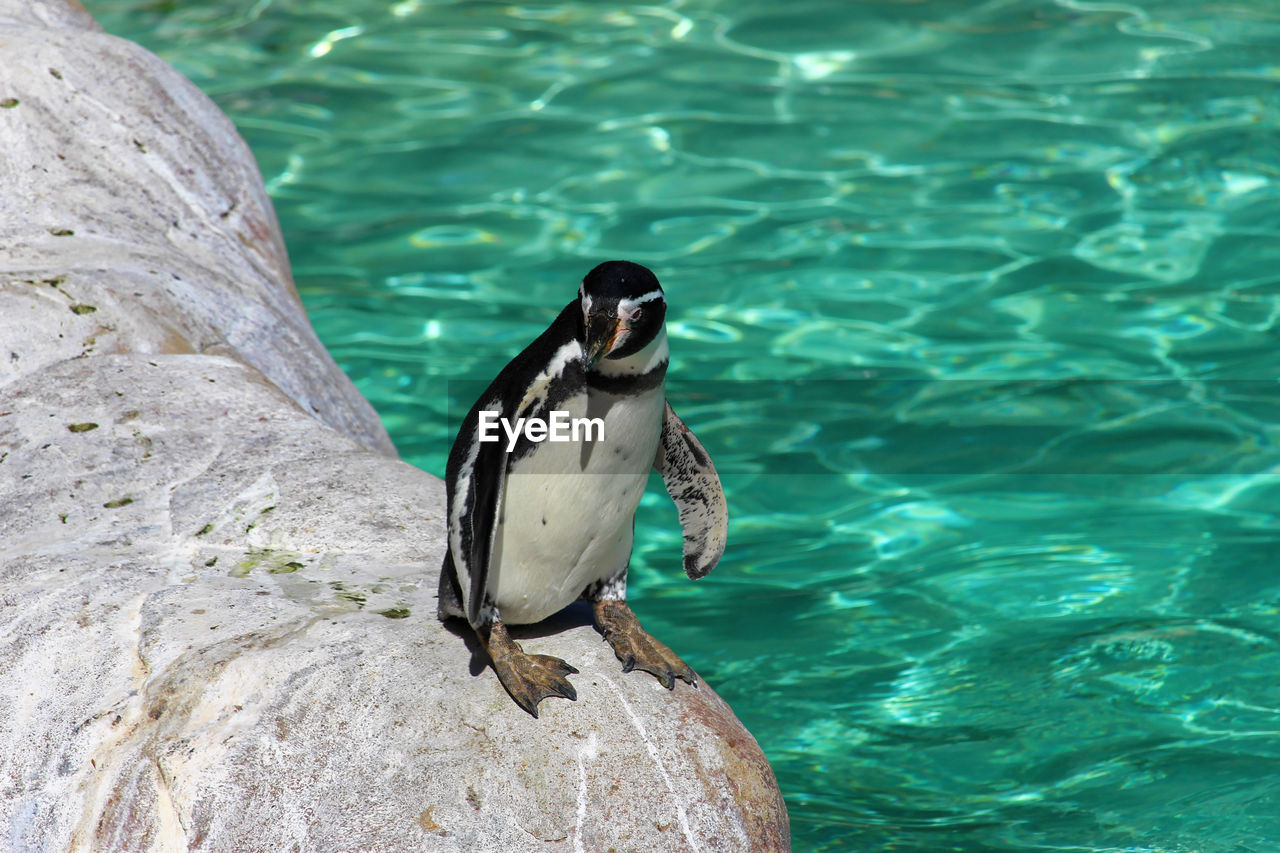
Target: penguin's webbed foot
[(527, 678), (636, 648)]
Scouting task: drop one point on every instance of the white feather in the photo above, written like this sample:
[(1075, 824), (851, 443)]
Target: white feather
[(568, 507)]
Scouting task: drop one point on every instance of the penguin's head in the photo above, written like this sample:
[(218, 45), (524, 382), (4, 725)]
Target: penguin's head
[(622, 310)]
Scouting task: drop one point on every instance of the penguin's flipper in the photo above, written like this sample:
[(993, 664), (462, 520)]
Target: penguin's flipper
[(476, 477), (694, 485), (449, 598)]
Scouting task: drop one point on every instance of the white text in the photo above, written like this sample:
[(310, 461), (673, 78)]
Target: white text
[(559, 427)]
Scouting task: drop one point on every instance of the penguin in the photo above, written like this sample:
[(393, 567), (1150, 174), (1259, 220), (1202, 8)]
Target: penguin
[(534, 525)]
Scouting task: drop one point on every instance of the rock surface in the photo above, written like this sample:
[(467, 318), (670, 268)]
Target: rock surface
[(217, 582)]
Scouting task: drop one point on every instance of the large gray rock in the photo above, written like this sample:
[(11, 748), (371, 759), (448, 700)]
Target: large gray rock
[(217, 583)]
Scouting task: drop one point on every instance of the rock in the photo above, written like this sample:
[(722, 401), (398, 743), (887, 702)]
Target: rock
[(217, 582), (133, 206)]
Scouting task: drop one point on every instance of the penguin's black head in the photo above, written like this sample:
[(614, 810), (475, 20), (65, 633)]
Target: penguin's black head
[(622, 309)]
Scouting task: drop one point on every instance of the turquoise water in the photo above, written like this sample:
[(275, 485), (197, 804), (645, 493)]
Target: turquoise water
[(974, 304)]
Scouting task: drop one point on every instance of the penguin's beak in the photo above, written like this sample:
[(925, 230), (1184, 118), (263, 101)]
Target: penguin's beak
[(602, 331)]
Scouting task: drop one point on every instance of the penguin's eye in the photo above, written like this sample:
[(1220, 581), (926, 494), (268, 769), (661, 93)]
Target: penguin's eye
[(635, 315)]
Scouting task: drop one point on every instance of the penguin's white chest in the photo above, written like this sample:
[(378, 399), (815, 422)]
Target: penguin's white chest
[(568, 507)]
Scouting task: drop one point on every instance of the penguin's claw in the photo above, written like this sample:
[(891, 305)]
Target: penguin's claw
[(636, 648), (556, 665), (528, 678)]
